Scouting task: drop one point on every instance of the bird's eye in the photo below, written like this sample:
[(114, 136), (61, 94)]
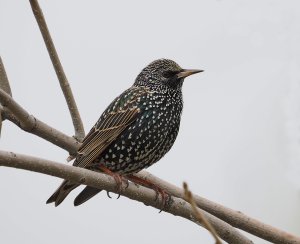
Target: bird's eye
[(169, 74)]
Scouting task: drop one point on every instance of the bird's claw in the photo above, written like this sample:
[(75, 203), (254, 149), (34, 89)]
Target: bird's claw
[(119, 179), (166, 198), (126, 182), (107, 193), (119, 186)]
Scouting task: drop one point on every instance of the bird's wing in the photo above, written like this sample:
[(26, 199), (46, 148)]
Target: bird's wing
[(121, 113)]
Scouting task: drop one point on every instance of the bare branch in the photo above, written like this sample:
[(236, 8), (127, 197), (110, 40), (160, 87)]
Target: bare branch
[(188, 196), (147, 196), (4, 83), (15, 113), (234, 218), (64, 84)]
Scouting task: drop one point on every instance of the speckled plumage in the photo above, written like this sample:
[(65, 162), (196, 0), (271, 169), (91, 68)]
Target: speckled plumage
[(137, 129)]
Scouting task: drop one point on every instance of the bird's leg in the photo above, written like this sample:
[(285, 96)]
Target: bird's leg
[(165, 196), (118, 178)]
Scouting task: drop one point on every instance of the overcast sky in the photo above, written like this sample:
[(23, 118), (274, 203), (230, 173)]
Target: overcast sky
[(239, 138)]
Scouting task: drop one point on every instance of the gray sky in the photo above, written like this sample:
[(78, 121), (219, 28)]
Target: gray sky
[(239, 138)]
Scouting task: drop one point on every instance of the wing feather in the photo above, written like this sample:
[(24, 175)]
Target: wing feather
[(107, 129), (99, 135), (100, 139)]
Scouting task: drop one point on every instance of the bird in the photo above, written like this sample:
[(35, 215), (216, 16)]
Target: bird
[(135, 131)]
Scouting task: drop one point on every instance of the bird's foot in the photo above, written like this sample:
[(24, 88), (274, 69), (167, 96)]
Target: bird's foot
[(166, 198), (119, 179)]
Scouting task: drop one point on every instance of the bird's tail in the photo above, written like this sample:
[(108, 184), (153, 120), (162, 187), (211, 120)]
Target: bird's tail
[(62, 192), (86, 194)]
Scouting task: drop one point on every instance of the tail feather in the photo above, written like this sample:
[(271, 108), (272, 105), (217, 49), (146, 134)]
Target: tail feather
[(62, 192), (86, 194)]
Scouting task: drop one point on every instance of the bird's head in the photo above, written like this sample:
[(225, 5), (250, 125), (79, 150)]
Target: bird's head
[(164, 73)]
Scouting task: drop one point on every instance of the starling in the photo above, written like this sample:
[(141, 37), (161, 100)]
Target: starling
[(136, 130)]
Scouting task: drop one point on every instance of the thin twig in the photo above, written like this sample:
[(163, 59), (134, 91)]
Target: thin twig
[(234, 218), (65, 86), (4, 84), (178, 206), (16, 114), (188, 196)]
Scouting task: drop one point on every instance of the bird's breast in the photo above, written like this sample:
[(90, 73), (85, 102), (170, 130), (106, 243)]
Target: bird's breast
[(147, 139)]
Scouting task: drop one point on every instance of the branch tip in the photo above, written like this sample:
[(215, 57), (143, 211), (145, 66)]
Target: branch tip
[(198, 214), (63, 81)]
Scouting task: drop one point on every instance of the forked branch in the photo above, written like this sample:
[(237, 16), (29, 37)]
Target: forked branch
[(19, 116)]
